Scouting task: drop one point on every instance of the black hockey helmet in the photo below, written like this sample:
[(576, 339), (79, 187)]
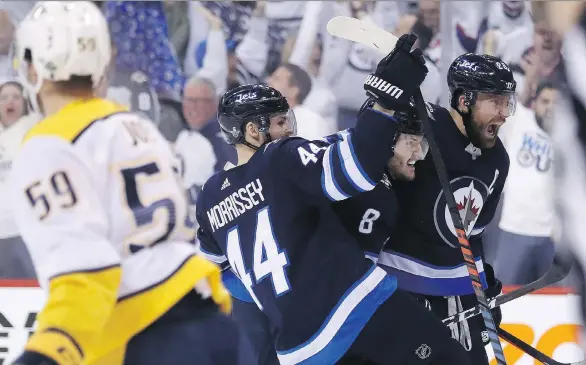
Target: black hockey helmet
[(408, 123), (471, 74), (248, 103)]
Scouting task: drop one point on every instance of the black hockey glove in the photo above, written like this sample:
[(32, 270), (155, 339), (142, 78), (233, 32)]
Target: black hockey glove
[(495, 287), (397, 76), (33, 358)]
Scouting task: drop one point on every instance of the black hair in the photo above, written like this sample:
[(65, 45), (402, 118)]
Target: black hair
[(544, 84), (300, 79)]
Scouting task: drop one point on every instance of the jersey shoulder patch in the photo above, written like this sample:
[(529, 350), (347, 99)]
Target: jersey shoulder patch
[(74, 119)]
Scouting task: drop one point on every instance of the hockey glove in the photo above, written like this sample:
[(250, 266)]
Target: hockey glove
[(50, 347), (495, 287), (397, 76), (34, 358)]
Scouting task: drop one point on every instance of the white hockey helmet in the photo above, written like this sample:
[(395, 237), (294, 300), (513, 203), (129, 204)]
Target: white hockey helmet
[(63, 39)]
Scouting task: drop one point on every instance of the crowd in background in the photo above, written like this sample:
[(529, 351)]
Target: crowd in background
[(173, 59)]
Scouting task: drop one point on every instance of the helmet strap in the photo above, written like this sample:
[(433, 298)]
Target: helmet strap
[(250, 145)]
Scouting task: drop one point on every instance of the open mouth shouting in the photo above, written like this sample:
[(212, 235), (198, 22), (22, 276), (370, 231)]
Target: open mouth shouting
[(492, 130)]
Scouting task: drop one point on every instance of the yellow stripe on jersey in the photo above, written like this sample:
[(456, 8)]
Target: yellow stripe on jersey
[(135, 313), (79, 306), (73, 119), (83, 306)]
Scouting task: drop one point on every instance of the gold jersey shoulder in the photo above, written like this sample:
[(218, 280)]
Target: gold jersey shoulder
[(74, 119)]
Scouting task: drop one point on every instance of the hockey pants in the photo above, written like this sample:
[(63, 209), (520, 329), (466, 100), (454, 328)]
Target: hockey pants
[(471, 333), (191, 334), (404, 332)]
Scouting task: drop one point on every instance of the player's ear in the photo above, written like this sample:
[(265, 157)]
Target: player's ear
[(252, 133), (251, 129), (462, 103)]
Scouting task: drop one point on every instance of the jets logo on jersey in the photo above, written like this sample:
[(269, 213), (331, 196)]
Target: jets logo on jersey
[(470, 194)]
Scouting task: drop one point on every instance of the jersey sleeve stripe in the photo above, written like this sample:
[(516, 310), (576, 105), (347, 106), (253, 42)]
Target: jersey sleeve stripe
[(330, 186), (351, 166)]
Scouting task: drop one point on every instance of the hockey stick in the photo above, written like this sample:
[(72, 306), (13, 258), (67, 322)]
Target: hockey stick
[(558, 271), (461, 233), (531, 351), (370, 35)]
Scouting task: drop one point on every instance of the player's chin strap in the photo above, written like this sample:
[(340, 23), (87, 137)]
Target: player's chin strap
[(268, 139), (250, 145)]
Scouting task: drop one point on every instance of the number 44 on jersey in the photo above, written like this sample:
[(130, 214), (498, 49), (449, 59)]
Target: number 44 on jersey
[(268, 259)]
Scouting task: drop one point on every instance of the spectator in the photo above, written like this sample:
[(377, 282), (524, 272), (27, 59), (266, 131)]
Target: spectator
[(15, 261), (542, 61), (304, 49), (295, 84), (534, 54), (432, 85), (13, 104), (234, 19), (525, 250), (177, 16), (345, 64), (429, 15), (139, 31), (200, 105), (215, 56)]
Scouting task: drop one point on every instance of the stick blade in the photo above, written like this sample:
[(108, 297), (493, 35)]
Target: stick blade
[(362, 32)]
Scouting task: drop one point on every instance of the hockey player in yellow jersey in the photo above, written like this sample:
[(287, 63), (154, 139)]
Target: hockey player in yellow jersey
[(99, 204)]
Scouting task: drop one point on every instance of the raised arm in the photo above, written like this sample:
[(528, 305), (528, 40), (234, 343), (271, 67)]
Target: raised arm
[(357, 162)]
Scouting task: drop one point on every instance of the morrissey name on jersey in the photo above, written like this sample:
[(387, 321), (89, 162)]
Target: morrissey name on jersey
[(236, 204)]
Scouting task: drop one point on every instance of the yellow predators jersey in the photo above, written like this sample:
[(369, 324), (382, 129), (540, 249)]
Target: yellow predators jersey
[(104, 215)]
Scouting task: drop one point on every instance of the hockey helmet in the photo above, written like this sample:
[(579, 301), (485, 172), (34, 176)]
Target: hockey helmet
[(250, 103), (408, 123), (471, 74), (411, 125), (62, 39)]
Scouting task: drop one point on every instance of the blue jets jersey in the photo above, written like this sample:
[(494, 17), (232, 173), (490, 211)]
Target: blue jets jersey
[(272, 220), (424, 252)]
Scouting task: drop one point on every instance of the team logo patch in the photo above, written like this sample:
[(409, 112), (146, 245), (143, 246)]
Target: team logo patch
[(470, 194), (423, 351)]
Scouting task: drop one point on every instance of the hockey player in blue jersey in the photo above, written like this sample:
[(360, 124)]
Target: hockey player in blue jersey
[(271, 217), (368, 217), (423, 252)]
